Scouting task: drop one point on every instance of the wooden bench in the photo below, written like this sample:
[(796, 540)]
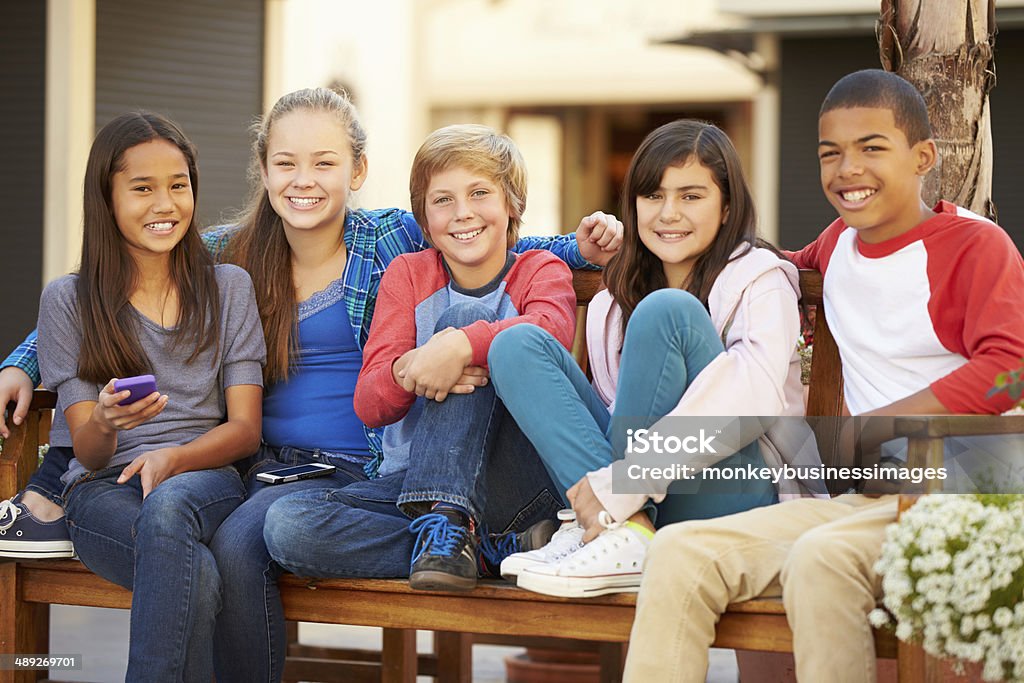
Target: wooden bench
[(492, 612)]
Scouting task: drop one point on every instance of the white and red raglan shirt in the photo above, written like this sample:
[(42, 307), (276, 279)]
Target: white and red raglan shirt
[(938, 306), (416, 289)]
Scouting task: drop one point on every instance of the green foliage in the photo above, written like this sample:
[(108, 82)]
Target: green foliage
[(1011, 382)]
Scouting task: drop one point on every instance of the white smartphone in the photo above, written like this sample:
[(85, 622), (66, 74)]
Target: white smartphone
[(295, 473)]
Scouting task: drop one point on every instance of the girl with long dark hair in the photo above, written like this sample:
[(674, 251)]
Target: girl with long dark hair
[(152, 480), (699, 318)]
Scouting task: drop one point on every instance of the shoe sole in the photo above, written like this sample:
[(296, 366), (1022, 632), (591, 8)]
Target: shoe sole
[(515, 568), (440, 581), (511, 567), (37, 554), (36, 549), (566, 587)]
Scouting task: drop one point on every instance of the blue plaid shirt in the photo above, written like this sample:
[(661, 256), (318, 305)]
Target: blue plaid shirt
[(373, 239)]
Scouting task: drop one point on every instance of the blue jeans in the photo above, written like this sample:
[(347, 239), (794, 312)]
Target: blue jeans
[(46, 479), (157, 548), (465, 450), (249, 644), (669, 340)]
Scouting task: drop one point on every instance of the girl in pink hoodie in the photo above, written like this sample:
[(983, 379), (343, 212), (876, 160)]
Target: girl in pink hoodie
[(699, 318)]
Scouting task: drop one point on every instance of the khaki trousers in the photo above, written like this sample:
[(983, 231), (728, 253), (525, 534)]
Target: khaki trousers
[(819, 555)]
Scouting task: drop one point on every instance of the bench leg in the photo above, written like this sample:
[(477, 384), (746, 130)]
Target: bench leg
[(24, 627), (613, 661), (454, 657), (398, 656)]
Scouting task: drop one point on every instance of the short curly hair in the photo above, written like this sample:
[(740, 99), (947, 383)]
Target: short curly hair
[(880, 89)]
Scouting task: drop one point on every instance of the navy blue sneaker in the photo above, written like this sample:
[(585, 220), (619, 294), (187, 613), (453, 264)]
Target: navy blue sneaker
[(23, 536), (444, 557), (496, 547)]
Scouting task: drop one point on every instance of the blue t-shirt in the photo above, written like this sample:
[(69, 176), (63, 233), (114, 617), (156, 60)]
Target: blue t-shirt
[(323, 381)]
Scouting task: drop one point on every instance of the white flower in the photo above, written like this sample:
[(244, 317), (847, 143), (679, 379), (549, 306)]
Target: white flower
[(993, 670), (878, 618), (945, 568)]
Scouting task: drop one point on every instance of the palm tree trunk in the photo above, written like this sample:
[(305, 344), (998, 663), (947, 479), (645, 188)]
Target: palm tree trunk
[(944, 47)]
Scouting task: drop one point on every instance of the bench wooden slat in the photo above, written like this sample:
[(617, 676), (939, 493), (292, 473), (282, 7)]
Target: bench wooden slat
[(937, 427)]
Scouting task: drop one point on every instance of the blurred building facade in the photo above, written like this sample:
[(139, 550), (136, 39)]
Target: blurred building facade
[(577, 83)]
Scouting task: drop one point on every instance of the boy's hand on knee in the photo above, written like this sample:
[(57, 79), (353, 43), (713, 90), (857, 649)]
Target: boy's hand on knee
[(599, 237), (438, 365), (473, 376), (587, 506)]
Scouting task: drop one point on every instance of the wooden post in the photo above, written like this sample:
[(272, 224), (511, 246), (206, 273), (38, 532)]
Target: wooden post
[(454, 656), (398, 656)]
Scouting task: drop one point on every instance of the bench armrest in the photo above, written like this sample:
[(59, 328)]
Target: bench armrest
[(925, 434), (20, 455), (939, 426)]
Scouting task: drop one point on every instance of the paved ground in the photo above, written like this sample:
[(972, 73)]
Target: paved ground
[(101, 637)]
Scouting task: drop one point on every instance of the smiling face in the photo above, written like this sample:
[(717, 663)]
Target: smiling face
[(152, 198), (467, 221), (309, 170), (871, 174), (680, 220)]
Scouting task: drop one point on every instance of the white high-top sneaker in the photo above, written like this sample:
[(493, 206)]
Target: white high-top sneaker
[(611, 563), (566, 540)]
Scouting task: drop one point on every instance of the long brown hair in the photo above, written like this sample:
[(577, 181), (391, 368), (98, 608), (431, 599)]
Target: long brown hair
[(634, 272), (260, 246), (108, 274)]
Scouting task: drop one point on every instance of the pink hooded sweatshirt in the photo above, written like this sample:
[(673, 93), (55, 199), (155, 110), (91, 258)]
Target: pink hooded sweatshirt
[(753, 306)]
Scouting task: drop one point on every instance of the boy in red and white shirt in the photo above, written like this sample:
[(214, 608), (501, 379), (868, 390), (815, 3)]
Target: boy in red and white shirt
[(929, 310), (924, 307)]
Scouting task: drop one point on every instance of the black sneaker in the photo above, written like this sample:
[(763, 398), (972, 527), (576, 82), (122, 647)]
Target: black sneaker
[(444, 557), (23, 536), (496, 547)]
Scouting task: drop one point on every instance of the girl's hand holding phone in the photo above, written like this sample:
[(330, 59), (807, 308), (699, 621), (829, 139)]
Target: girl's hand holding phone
[(153, 468), (112, 416)]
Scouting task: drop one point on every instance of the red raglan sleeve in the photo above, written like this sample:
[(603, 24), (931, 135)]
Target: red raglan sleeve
[(378, 399), (977, 285), (815, 255), (540, 286)]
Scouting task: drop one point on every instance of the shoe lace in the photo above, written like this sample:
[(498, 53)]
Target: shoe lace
[(9, 512), (436, 533), (605, 519), (496, 547), (563, 544), (607, 541)]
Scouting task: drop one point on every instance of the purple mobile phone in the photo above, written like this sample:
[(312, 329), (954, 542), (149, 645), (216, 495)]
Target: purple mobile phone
[(141, 387)]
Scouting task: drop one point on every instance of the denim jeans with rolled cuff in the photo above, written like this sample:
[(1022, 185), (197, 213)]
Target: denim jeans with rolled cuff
[(46, 479)]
